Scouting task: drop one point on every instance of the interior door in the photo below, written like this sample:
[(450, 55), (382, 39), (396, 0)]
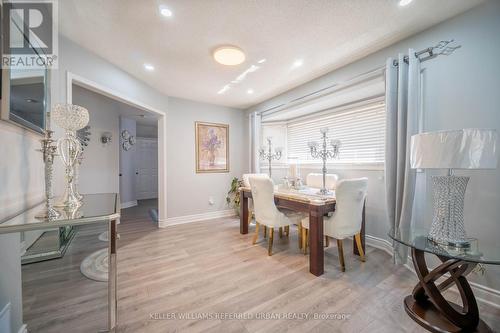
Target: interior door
[(147, 169)]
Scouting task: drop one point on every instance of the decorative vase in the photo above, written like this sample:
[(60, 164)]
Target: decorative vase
[(71, 118), (211, 157)]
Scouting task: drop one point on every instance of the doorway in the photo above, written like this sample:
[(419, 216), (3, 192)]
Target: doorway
[(146, 186), (154, 117)]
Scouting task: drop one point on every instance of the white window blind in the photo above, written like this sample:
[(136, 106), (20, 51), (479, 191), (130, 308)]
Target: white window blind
[(361, 131)]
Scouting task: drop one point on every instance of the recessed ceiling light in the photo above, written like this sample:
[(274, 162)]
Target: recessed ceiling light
[(261, 61), (297, 63), (403, 3), (250, 91), (149, 67), (229, 55), (165, 11)]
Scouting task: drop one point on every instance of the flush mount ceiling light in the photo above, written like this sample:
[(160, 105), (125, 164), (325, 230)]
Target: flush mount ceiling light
[(403, 3), (229, 55), (165, 11), (149, 67)]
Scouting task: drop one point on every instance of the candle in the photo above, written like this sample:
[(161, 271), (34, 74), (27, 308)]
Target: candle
[(293, 171)]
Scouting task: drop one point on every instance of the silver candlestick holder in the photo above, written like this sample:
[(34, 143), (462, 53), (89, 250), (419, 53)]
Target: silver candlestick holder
[(269, 155), (324, 154), (48, 152)]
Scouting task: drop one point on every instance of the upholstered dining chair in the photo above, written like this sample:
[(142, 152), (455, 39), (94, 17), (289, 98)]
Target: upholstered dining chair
[(316, 180), (246, 183), (350, 196), (266, 212)]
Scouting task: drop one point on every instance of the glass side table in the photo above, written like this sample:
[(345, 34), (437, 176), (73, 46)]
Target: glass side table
[(426, 305)]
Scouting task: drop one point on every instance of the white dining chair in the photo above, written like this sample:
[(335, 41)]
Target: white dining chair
[(316, 180), (266, 212), (246, 183), (345, 221)]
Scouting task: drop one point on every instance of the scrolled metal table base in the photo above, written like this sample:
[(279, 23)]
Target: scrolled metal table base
[(431, 310)]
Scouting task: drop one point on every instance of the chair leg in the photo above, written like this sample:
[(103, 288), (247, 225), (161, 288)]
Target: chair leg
[(304, 240), (256, 235), (281, 232), (270, 244), (360, 247), (299, 235), (327, 241), (265, 231), (340, 246), (287, 231)]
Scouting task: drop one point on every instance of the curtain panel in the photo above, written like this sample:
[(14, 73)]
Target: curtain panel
[(402, 107), (255, 129)]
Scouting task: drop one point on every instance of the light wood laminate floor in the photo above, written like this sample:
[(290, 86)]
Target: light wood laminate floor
[(210, 268)]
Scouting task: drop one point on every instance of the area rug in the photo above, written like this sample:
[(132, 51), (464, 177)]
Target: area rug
[(103, 237), (95, 266)]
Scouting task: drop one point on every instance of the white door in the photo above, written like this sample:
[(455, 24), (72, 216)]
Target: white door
[(147, 168)]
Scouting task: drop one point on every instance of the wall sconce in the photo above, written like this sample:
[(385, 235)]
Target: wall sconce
[(106, 137)]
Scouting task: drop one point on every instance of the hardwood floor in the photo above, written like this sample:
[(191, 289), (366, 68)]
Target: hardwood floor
[(210, 268)]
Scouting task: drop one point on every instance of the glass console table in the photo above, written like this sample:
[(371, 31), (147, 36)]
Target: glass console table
[(426, 305), (96, 208)]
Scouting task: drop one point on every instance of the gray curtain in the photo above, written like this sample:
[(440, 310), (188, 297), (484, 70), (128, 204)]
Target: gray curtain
[(255, 128), (402, 105)]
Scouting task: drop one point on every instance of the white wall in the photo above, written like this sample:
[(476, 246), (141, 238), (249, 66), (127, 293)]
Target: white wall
[(100, 167), (460, 90), (188, 192), (128, 165)]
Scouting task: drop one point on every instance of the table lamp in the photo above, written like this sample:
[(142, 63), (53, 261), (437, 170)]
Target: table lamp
[(455, 149)]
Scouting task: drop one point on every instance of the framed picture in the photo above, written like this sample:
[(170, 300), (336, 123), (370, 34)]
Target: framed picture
[(212, 147)]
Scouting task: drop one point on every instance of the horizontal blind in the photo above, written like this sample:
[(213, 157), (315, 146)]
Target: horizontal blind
[(360, 130)]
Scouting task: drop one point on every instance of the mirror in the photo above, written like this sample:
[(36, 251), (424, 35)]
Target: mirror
[(24, 93), (25, 98)]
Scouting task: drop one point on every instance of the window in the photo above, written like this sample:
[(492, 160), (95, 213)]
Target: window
[(361, 131)]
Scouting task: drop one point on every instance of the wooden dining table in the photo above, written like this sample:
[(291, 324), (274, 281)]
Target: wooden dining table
[(307, 201)]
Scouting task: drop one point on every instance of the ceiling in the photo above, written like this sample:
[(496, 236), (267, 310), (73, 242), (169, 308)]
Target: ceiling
[(325, 34)]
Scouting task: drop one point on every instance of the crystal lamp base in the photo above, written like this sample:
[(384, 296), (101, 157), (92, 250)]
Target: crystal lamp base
[(448, 222)]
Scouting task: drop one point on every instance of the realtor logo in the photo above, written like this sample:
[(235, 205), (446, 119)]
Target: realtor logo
[(30, 34)]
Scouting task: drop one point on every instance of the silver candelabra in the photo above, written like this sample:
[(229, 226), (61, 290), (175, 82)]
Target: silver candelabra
[(324, 154), (49, 151), (269, 155)]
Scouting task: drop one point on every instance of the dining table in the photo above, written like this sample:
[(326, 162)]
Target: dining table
[(309, 201)]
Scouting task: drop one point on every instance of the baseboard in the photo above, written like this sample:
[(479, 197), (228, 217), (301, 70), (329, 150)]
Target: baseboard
[(379, 243), (128, 204), (485, 294), (196, 218)]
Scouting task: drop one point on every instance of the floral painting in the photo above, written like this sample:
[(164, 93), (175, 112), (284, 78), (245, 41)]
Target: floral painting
[(212, 147)]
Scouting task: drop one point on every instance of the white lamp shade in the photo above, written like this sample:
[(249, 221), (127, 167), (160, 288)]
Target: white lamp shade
[(470, 148)]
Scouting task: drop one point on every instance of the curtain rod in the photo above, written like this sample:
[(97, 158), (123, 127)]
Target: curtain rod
[(443, 48)]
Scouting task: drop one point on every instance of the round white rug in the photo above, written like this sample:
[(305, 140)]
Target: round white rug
[(103, 237), (95, 266)]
